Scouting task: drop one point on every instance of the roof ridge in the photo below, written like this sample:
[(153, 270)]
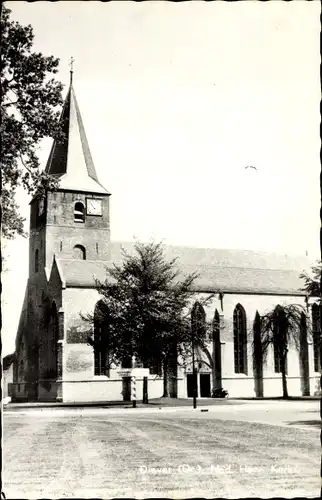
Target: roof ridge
[(241, 267), (86, 150), (222, 249)]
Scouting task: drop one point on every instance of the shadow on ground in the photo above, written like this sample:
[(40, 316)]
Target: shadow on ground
[(311, 423)]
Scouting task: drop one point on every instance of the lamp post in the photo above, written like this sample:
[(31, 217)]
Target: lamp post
[(194, 377)]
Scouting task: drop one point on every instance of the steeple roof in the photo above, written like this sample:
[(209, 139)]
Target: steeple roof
[(71, 160)]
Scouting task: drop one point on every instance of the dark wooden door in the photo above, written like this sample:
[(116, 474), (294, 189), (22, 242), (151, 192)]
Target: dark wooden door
[(191, 384), (205, 385)]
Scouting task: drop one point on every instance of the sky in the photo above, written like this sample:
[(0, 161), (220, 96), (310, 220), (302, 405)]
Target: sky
[(177, 99)]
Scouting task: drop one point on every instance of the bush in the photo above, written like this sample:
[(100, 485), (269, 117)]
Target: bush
[(219, 393)]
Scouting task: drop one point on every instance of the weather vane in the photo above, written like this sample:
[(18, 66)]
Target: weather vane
[(72, 60), (71, 64)]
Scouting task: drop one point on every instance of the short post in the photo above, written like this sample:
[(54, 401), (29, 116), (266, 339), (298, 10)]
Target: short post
[(194, 375), (145, 390), (134, 391)]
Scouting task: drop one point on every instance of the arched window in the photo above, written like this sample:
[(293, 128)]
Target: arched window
[(217, 348), (101, 354), (36, 261), (316, 333), (198, 320), (79, 212), (240, 340), (216, 328), (79, 252), (52, 341)]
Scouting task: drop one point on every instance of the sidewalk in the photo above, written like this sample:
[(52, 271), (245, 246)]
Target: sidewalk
[(160, 402)]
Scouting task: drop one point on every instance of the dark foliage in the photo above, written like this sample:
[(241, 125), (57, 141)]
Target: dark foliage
[(29, 113)]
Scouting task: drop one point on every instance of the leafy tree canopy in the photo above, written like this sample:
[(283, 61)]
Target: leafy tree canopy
[(146, 307), (29, 113), (312, 281), (280, 327)]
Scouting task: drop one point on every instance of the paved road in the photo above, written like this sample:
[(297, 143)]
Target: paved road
[(251, 449)]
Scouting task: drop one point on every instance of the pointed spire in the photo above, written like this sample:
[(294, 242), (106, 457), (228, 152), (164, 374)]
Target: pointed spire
[(71, 159)]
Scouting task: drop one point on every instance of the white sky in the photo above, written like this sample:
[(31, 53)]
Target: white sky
[(176, 99)]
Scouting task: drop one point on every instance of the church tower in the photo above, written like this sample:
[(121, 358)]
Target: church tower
[(69, 243), (72, 222)]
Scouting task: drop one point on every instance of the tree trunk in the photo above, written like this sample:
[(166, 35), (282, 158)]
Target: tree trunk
[(165, 379), (258, 357), (145, 391), (284, 381)]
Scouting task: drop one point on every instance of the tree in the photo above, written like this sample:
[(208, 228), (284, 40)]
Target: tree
[(280, 327), (147, 308), (29, 113), (312, 281), (312, 287)]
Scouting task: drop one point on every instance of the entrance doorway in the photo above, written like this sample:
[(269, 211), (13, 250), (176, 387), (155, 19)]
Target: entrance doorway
[(201, 383), (191, 384), (204, 385)]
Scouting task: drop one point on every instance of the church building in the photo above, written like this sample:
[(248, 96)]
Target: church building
[(70, 246)]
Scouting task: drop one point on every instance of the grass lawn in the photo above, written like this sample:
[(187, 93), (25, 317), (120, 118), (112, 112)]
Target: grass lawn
[(175, 454)]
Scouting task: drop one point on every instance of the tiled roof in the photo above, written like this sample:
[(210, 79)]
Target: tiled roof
[(245, 280), (221, 257), (71, 160), (81, 273), (233, 271)]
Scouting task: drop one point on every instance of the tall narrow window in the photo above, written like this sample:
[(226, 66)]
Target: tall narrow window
[(36, 261), (316, 333), (53, 337), (216, 342), (240, 340), (101, 354), (216, 327), (79, 252), (198, 325), (79, 212), (198, 319)]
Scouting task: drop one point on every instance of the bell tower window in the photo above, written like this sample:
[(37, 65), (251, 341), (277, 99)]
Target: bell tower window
[(79, 212), (79, 252)]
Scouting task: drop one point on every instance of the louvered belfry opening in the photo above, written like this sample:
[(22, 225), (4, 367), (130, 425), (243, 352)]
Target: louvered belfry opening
[(79, 212)]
